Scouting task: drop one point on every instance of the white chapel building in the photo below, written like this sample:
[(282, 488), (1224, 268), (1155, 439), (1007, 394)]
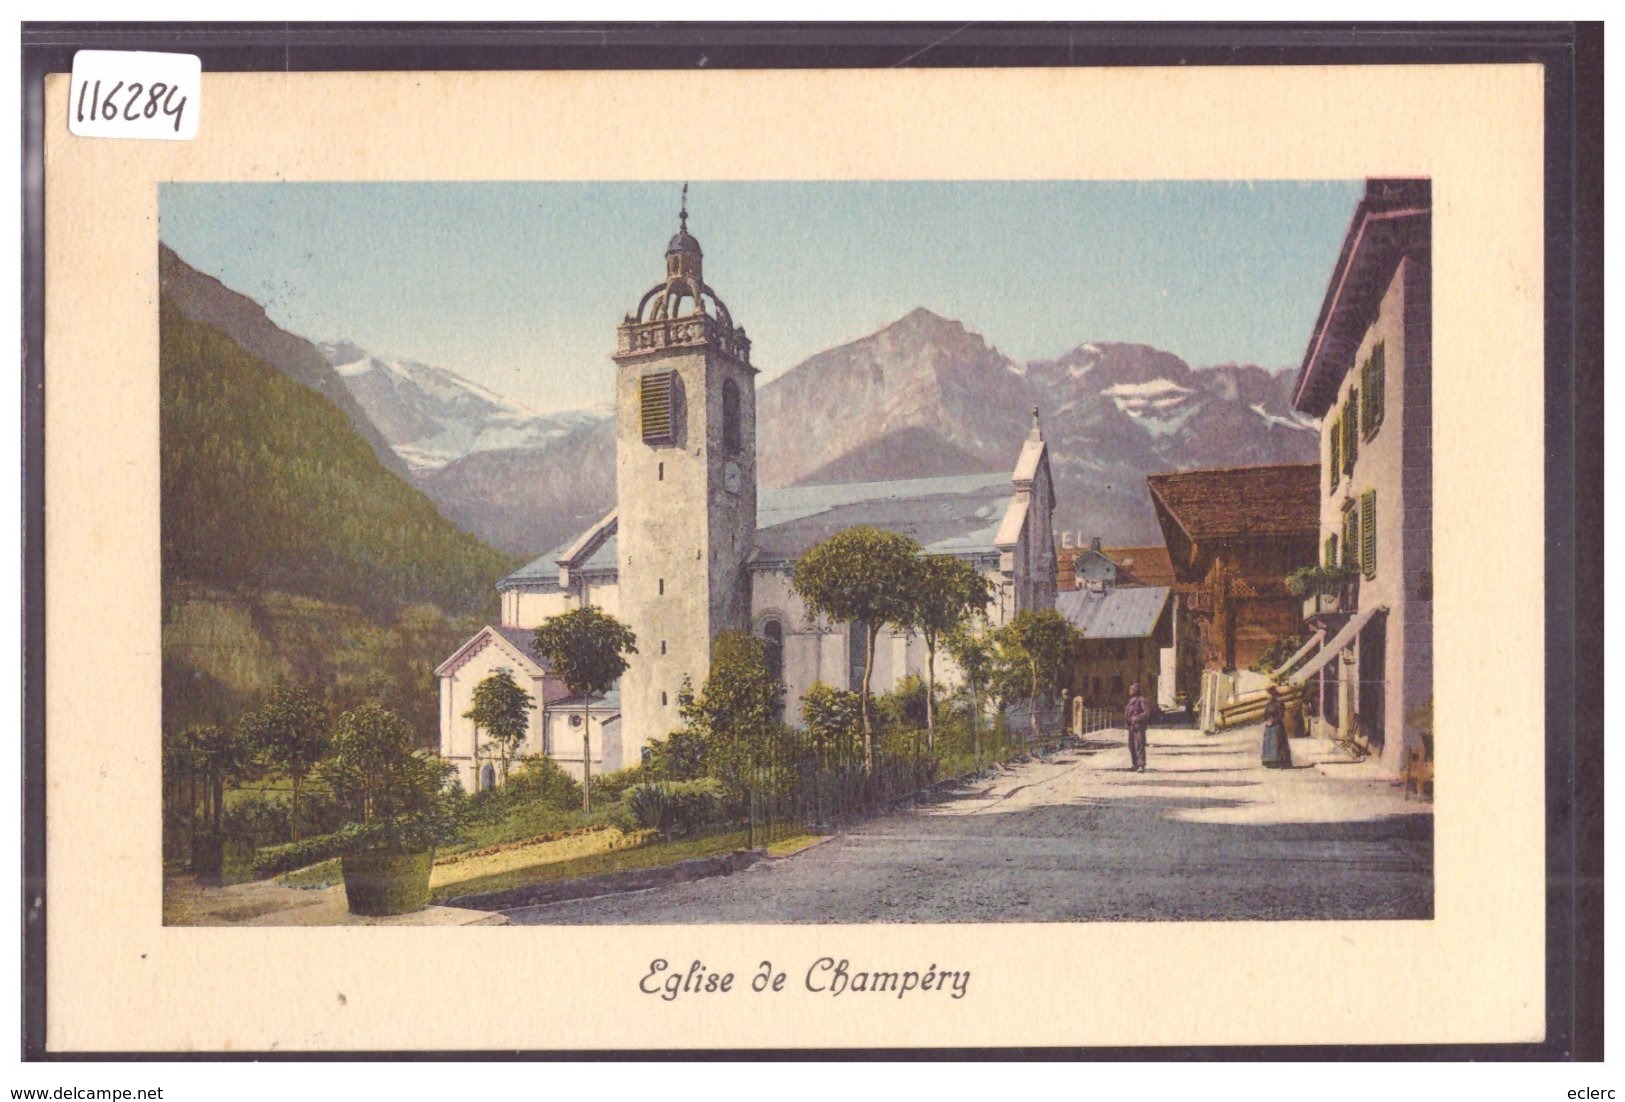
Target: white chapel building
[(695, 548)]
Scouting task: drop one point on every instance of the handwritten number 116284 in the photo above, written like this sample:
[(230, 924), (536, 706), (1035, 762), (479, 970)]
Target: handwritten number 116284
[(130, 102)]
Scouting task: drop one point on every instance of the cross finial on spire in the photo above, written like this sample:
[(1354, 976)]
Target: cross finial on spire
[(682, 214), (1038, 432)]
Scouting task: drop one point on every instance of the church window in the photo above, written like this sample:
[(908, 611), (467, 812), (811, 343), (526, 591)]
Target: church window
[(773, 637), (660, 472), (662, 646), (857, 642), (657, 407), (662, 587), (662, 698), (732, 437)]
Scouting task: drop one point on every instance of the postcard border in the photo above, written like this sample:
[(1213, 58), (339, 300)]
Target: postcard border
[(1572, 58)]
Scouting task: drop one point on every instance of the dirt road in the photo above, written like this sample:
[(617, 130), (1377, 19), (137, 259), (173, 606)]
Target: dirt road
[(1205, 833)]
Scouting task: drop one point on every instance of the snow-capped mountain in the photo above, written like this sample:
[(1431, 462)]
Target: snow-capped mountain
[(431, 416), (923, 396), (927, 396)]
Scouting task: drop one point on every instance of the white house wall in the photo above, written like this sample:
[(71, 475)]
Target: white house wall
[(529, 608), (1396, 463), (457, 732), (604, 741)]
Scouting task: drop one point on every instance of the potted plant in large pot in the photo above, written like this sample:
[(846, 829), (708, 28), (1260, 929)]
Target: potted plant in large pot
[(398, 807)]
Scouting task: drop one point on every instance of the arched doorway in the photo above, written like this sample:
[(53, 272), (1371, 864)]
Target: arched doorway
[(488, 777)]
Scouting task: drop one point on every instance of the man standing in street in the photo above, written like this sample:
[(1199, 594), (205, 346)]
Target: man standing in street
[(1137, 716)]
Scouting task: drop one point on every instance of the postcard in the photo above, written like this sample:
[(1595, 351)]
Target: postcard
[(798, 559)]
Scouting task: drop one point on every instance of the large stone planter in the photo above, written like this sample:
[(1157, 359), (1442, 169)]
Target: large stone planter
[(387, 883)]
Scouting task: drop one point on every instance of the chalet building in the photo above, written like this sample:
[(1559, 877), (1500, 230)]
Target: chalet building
[(1128, 637), (694, 547), (1367, 375), (1117, 566), (1233, 535), (1079, 567)]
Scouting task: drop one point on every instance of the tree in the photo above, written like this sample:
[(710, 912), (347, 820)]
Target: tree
[(394, 793), (291, 734), (586, 647), (832, 716), (1039, 645), (861, 574), (735, 715), (503, 709), (972, 651), (945, 593), (680, 756), (216, 754)]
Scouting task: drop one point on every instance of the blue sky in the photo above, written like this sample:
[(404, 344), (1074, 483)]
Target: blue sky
[(519, 286)]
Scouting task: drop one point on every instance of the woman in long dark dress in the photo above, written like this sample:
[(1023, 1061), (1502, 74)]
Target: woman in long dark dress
[(1277, 753)]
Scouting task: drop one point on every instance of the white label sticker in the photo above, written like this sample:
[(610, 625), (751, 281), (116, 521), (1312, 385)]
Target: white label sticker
[(128, 94)]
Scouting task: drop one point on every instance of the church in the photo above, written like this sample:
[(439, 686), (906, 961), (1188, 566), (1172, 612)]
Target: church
[(694, 547)]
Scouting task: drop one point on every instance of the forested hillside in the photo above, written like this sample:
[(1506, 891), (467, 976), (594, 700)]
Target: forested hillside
[(266, 487), (290, 553)]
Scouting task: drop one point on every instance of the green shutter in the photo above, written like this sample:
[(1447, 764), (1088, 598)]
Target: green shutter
[(1351, 441), (1336, 465), (1372, 384), (1368, 533), (1331, 549), (1365, 393), (1351, 538), (1379, 385)]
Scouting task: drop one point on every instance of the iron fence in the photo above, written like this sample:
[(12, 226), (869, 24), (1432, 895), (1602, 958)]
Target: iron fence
[(801, 783)]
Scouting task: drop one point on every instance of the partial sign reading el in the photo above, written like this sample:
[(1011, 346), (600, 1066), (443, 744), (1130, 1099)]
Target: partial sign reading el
[(130, 94)]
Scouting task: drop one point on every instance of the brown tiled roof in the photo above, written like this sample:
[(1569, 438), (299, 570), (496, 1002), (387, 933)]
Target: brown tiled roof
[(1142, 565), (1273, 501)]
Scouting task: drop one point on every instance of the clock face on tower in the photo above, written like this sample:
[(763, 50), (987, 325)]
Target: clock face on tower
[(731, 477)]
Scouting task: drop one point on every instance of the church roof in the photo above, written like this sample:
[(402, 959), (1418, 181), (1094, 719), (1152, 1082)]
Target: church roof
[(951, 515), (1115, 614), (608, 702), (521, 638), (517, 638)]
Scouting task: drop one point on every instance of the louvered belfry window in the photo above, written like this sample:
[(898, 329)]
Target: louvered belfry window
[(1368, 533), (657, 402)]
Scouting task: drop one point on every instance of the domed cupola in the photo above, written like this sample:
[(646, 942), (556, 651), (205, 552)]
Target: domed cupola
[(683, 307), (683, 254)]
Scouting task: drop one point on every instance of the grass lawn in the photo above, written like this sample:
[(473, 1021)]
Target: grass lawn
[(646, 856), (490, 854), (590, 854)]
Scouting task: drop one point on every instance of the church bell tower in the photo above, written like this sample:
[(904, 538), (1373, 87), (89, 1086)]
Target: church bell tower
[(685, 463)]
